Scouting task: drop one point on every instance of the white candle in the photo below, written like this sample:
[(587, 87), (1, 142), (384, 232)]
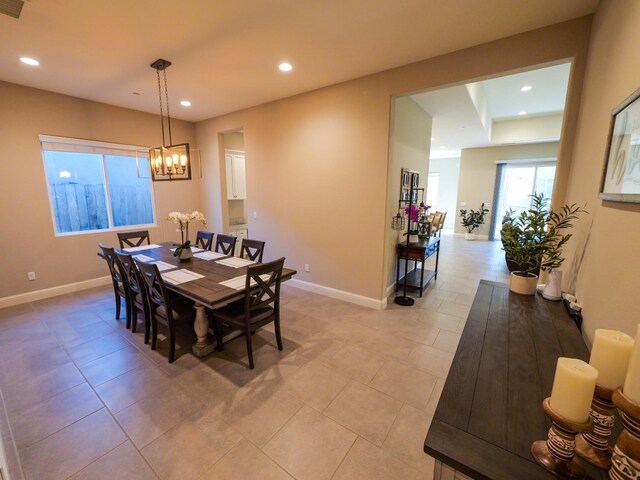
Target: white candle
[(573, 388), (632, 383), (610, 356)]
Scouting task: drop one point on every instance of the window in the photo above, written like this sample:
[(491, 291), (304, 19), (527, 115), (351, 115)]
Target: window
[(433, 187), (518, 183), (95, 186)]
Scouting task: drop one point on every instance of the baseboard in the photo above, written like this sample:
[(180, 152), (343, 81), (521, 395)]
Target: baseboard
[(53, 291), (478, 237), (339, 294)]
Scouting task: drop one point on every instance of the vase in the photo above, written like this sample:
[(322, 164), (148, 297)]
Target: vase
[(469, 236), (523, 285), (553, 288), (185, 254)]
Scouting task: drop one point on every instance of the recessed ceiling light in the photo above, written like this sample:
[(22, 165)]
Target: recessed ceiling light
[(285, 67), (522, 113), (185, 103), (526, 88), (30, 61), (441, 146)]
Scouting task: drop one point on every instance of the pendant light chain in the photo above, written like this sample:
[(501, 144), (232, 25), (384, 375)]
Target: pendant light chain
[(161, 114), (166, 94)]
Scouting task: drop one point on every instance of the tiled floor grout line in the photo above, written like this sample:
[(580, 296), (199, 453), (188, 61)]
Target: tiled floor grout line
[(111, 414)]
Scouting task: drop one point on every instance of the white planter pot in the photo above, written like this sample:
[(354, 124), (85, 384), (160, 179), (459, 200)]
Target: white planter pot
[(553, 288), (523, 285), (469, 236)]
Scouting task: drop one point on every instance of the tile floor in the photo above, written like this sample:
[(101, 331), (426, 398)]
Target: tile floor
[(350, 397)]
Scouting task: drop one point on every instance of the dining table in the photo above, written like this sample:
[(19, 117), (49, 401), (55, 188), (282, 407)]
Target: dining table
[(212, 280)]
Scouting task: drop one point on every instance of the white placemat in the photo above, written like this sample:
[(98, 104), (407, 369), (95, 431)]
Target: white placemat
[(177, 277), (238, 283), (163, 266), (141, 247), (235, 262), (193, 249), (206, 255), (142, 258)]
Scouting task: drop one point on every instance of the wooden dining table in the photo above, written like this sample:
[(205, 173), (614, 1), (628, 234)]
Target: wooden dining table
[(206, 292)]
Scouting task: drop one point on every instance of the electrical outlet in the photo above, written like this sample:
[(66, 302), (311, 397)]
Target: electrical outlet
[(255, 215), (31, 276), (463, 204), (306, 267)]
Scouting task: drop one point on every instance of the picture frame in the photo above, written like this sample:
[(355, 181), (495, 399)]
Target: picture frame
[(404, 195), (621, 173), (404, 181), (416, 179)]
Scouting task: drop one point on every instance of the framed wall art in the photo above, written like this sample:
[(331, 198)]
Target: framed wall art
[(621, 172)]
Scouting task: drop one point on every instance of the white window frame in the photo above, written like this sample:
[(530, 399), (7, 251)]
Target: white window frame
[(66, 144)]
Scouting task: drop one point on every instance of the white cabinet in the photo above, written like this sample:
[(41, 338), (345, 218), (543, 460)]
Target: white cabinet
[(236, 179), (239, 234)]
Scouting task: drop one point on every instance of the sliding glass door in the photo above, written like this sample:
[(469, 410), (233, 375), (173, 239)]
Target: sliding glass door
[(517, 182)]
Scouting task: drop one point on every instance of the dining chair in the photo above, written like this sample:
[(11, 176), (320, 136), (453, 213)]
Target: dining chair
[(225, 244), (260, 306), (252, 249), (435, 222), (137, 291), (119, 280), (441, 223), (163, 308), (204, 240), (133, 239)]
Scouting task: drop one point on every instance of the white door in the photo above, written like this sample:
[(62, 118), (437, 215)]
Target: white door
[(236, 177)]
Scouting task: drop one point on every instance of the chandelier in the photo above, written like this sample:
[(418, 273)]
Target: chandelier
[(168, 162)]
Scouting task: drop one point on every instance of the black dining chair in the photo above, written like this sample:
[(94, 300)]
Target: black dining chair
[(133, 239), (204, 240), (252, 249), (225, 244), (119, 280), (260, 306), (163, 308), (137, 291)]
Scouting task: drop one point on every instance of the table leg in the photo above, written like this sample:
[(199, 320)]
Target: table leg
[(205, 345)]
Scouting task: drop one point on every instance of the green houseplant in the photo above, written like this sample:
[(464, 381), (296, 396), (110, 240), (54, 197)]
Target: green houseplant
[(534, 239), (471, 220)]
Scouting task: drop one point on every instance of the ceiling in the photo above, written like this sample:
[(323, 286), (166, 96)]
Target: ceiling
[(225, 53), (457, 122)]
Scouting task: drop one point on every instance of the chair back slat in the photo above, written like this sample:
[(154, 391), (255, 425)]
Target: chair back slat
[(225, 244), (133, 239), (263, 286), (204, 240), (117, 276), (156, 291), (252, 249), (125, 262)]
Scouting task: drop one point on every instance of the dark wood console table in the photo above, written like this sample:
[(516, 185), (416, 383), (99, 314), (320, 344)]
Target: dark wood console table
[(490, 410), (418, 252)]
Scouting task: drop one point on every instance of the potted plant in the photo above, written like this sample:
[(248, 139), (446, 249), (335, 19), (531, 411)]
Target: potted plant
[(471, 220), (183, 249), (533, 241)]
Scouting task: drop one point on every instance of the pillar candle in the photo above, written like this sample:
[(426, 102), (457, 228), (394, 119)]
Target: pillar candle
[(610, 356), (632, 383), (573, 388)]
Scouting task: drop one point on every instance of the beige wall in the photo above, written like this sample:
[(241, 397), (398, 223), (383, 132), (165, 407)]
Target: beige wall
[(27, 241), (478, 175), (532, 129), (317, 162), (409, 148), (607, 283)]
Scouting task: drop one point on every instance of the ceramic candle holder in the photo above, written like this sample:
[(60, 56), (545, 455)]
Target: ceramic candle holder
[(594, 447), (556, 454), (625, 460)]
